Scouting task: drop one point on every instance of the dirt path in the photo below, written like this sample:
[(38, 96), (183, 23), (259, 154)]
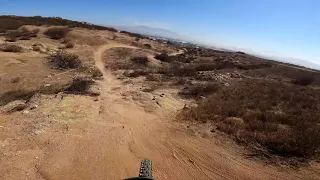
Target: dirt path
[(121, 134)]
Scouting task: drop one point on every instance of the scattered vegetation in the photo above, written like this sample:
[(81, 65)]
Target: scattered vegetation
[(271, 117), (298, 76), (36, 48), (65, 60), (11, 48), (15, 22), (10, 38), (14, 95), (132, 34), (164, 57), (57, 32), (303, 81), (21, 34), (69, 45), (148, 46), (93, 71), (198, 90), (80, 85), (142, 60), (137, 73)]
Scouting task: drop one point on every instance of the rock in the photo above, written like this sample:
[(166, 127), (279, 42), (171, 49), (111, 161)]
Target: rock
[(39, 47), (26, 112), (236, 75), (34, 101), (61, 47), (47, 85), (60, 95), (190, 160), (13, 106), (94, 91)]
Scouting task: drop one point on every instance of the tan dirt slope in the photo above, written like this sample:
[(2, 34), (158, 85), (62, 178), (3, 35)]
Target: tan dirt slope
[(106, 138)]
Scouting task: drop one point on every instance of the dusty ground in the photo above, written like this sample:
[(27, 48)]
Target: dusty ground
[(105, 137)]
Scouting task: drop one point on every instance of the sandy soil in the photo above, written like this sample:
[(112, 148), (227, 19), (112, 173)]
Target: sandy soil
[(80, 137)]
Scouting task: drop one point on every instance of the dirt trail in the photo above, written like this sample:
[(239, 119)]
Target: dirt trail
[(121, 134)]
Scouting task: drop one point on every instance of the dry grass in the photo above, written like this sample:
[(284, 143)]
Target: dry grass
[(141, 60), (93, 71), (69, 45), (25, 93), (281, 118), (36, 48), (164, 57), (303, 81), (15, 95), (137, 73), (65, 60), (132, 34), (148, 46), (198, 90), (15, 22), (57, 32), (11, 48), (21, 34), (80, 85)]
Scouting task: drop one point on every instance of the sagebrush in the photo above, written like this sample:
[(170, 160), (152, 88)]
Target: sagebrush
[(65, 60), (11, 48), (282, 118), (57, 32)]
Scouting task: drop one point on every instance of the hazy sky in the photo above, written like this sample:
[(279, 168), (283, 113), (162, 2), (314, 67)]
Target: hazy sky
[(288, 28)]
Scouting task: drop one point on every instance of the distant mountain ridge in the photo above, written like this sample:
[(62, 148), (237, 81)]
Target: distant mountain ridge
[(164, 33), (295, 61)]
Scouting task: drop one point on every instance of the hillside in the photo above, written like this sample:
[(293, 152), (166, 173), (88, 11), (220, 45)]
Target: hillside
[(81, 101)]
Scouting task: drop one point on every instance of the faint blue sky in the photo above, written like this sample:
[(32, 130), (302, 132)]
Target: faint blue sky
[(289, 28)]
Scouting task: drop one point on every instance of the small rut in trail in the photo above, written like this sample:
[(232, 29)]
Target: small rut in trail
[(123, 134)]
